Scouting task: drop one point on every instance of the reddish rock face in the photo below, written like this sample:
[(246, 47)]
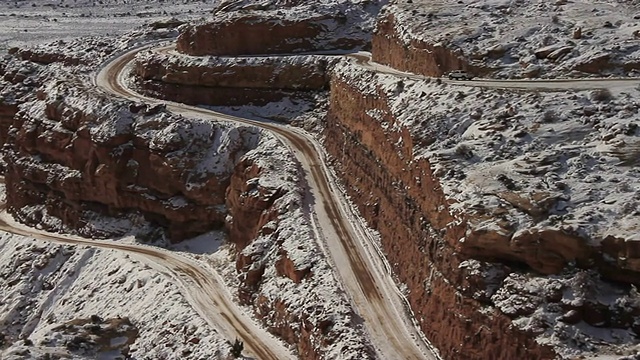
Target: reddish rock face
[(250, 205), (230, 82), (7, 112), (204, 95), (81, 152), (416, 56), (287, 73), (246, 35), (43, 57), (403, 201)]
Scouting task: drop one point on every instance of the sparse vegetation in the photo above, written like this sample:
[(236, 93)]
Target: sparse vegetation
[(236, 348), (550, 116), (601, 95)]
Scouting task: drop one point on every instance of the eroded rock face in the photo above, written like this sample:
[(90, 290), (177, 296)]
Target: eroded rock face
[(322, 26), (415, 55), (283, 275), (71, 155), (379, 161), (291, 72), (230, 81), (410, 167), (17, 84)]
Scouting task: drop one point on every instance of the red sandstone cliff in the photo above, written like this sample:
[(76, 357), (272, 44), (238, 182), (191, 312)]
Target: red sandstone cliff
[(467, 308), (230, 81), (400, 198), (303, 27), (72, 155)]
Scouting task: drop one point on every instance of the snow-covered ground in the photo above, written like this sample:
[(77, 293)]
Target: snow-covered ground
[(496, 149), (27, 22)]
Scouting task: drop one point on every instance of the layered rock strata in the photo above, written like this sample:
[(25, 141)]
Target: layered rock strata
[(230, 81), (400, 198), (416, 172), (322, 26), (72, 155), (419, 56)]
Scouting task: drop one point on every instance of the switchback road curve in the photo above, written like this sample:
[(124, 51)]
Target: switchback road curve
[(361, 269)]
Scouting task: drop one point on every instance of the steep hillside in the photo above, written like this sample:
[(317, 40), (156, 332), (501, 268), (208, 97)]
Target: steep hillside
[(282, 27)]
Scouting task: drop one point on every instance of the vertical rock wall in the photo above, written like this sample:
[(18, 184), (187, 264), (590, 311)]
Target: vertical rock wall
[(401, 198), (389, 47)]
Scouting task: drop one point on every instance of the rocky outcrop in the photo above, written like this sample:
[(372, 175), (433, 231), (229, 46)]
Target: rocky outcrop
[(397, 187), (72, 155), (390, 47), (250, 206), (464, 262), (249, 29), (7, 112), (230, 81), (248, 35), (45, 58), (204, 95), (292, 72)]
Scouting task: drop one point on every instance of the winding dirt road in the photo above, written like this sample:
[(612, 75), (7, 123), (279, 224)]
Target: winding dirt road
[(203, 288), (358, 264)]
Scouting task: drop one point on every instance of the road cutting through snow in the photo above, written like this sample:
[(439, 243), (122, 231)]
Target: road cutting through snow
[(202, 287), (368, 282), (359, 263)]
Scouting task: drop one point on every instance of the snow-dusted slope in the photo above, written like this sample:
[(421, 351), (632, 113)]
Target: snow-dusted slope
[(32, 22), (514, 163), (54, 296)]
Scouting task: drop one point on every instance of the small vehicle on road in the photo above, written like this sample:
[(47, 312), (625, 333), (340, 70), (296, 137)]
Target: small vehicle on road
[(459, 75)]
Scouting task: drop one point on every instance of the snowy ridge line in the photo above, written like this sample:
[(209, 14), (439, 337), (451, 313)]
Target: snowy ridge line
[(382, 319), (237, 323)]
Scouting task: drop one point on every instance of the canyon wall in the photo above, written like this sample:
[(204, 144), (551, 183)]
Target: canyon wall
[(278, 29), (249, 35), (72, 155), (391, 46), (402, 199), (230, 81)]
